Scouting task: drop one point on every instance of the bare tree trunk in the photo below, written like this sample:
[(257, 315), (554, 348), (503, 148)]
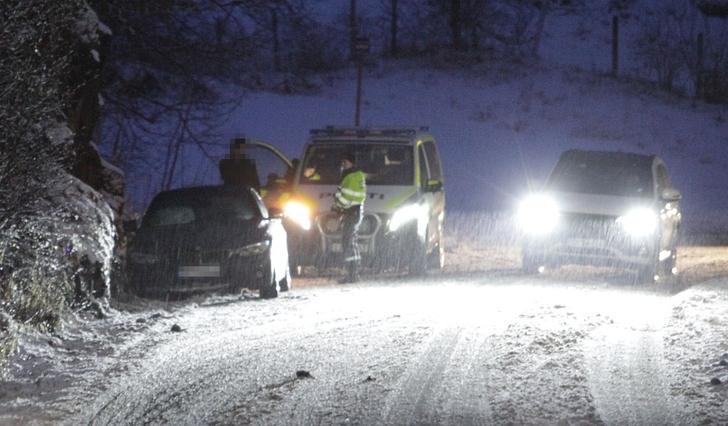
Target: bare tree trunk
[(394, 17)]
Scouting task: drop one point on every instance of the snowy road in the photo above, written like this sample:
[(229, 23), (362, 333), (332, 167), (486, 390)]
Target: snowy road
[(468, 350), (458, 348)]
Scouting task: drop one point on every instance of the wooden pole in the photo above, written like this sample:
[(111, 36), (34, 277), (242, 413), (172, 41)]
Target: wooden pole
[(615, 46), (276, 42), (699, 68), (359, 74), (393, 45), (352, 28)]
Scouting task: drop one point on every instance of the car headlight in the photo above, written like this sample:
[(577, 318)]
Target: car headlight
[(143, 258), (250, 249), (538, 214), (639, 222), (406, 214), (298, 213)]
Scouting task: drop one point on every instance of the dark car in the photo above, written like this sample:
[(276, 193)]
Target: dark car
[(209, 238), (604, 208)]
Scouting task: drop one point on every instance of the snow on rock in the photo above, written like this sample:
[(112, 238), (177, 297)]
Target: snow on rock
[(60, 134), (88, 26)]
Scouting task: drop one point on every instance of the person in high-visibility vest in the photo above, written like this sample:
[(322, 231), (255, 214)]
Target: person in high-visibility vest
[(349, 203)]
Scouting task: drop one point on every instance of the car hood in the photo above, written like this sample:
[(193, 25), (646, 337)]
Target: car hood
[(380, 198), (206, 236), (598, 204)]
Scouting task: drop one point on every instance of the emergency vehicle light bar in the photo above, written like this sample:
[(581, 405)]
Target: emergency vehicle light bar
[(364, 132)]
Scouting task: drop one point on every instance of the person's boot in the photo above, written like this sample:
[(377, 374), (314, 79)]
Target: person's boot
[(353, 272)]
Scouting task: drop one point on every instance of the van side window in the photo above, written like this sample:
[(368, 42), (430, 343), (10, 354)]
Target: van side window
[(433, 160), (424, 172)]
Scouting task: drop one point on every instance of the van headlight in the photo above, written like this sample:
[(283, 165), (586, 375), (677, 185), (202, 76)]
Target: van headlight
[(298, 213), (639, 222), (538, 214), (406, 214)]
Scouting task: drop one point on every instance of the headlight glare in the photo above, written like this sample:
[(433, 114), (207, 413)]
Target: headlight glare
[(298, 213), (538, 214), (639, 222), (405, 214)]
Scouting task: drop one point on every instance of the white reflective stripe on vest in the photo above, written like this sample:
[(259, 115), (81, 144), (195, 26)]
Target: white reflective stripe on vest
[(343, 200), (353, 193)]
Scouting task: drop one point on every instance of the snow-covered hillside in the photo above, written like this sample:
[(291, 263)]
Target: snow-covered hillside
[(502, 125)]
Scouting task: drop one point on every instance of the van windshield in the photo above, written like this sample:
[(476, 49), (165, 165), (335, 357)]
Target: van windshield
[(384, 163), (603, 173)]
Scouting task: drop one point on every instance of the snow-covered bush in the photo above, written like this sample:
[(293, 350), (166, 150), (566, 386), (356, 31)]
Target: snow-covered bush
[(48, 220)]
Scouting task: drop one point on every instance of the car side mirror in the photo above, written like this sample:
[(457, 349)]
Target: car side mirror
[(433, 185), (670, 194), (275, 213)]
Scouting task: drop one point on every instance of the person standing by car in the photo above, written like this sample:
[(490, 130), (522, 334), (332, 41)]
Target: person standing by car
[(349, 203)]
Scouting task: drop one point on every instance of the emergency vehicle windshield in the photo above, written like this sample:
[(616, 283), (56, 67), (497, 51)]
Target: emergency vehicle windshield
[(383, 163)]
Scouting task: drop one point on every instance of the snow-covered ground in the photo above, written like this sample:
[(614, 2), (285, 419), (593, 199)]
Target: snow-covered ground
[(491, 347), (473, 344)]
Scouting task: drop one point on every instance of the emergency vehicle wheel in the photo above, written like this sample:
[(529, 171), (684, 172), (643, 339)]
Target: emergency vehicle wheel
[(418, 261), (436, 258)]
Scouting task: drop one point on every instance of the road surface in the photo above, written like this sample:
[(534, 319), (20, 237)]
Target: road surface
[(461, 349)]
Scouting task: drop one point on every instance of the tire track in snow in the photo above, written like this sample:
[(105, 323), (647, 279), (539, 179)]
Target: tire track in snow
[(627, 370), (411, 401)]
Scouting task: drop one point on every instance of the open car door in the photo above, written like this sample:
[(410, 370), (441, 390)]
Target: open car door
[(259, 165)]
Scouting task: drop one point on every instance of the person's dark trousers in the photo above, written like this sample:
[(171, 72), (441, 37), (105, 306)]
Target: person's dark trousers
[(351, 219)]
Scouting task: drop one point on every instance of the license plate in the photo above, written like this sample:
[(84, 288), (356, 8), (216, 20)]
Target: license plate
[(203, 271), (336, 247)]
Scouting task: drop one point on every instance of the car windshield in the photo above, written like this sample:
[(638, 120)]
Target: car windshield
[(615, 174), (383, 163), (179, 208)]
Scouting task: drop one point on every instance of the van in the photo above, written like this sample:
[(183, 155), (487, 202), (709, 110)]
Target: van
[(404, 210)]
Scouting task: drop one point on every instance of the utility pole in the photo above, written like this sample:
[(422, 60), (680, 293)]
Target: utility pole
[(276, 43), (615, 46), (352, 28), (361, 49), (394, 17)]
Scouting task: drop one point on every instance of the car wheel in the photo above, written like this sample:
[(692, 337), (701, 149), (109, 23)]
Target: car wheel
[(268, 287), (436, 258), (649, 273), (530, 264)]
